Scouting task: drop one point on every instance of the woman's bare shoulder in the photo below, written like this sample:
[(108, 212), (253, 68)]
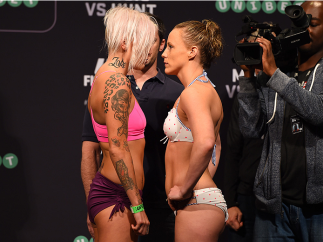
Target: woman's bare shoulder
[(197, 93), (113, 80)]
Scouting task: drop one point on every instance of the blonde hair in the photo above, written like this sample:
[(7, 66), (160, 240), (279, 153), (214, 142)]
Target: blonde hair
[(206, 35), (131, 26)]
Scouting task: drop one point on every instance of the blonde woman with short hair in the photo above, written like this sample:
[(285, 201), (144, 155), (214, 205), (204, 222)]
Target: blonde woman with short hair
[(114, 203)]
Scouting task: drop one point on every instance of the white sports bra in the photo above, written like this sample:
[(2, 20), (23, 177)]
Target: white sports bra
[(175, 130)]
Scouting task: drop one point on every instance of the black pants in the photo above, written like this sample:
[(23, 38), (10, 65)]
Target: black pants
[(162, 225)]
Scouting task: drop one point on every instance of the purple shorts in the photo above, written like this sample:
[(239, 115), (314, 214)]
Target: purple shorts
[(105, 193)]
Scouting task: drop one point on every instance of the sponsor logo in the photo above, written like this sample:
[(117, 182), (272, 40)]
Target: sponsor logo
[(14, 3), (99, 9), (39, 20), (82, 239), (232, 89), (9, 161), (254, 6)]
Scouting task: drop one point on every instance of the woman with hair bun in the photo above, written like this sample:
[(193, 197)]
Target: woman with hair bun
[(114, 203), (192, 127)]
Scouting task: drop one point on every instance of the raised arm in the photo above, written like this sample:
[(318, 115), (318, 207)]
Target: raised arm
[(252, 113)]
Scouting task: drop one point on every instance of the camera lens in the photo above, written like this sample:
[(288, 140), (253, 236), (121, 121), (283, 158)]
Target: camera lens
[(296, 13)]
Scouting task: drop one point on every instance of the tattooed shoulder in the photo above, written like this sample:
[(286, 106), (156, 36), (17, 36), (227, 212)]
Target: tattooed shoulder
[(112, 84), (120, 104)]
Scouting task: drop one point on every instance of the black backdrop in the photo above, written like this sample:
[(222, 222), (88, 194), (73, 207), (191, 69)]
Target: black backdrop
[(49, 52)]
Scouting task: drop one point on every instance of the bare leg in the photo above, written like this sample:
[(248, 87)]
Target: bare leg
[(199, 223), (118, 228)]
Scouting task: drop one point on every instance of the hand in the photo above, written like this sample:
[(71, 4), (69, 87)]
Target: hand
[(178, 199), (175, 193), (89, 226), (235, 217), (142, 223), (268, 59)]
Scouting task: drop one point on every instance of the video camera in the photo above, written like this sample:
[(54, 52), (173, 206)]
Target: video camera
[(284, 45)]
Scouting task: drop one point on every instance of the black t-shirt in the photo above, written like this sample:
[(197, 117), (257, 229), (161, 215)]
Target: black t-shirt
[(88, 131), (242, 160), (293, 155), (156, 98)]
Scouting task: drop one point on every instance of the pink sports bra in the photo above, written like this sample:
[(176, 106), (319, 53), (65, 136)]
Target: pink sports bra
[(136, 123), (175, 130)]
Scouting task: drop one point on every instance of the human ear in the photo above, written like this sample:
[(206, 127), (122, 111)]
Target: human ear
[(124, 46), (162, 45), (192, 52)]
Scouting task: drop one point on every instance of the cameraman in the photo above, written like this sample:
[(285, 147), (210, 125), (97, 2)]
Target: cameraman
[(288, 109)]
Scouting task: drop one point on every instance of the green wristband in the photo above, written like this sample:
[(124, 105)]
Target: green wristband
[(137, 209)]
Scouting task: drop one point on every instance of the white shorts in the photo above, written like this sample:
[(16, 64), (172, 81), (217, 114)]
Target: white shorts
[(211, 196)]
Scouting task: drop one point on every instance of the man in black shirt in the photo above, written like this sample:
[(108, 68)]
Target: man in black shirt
[(156, 95), (241, 164)]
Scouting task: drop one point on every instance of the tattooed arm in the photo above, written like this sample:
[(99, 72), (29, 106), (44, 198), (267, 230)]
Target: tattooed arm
[(117, 102)]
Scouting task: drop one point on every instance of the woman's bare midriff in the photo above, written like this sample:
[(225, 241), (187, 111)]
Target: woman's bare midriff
[(177, 160), (137, 153)]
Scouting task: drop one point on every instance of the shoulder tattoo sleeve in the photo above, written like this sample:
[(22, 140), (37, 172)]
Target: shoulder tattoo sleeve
[(116, 92)]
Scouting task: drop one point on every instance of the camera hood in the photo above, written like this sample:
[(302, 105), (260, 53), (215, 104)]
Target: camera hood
[(298, 16), (247, 53)]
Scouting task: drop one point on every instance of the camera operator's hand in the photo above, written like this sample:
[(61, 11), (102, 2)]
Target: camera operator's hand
[(268, 60)]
